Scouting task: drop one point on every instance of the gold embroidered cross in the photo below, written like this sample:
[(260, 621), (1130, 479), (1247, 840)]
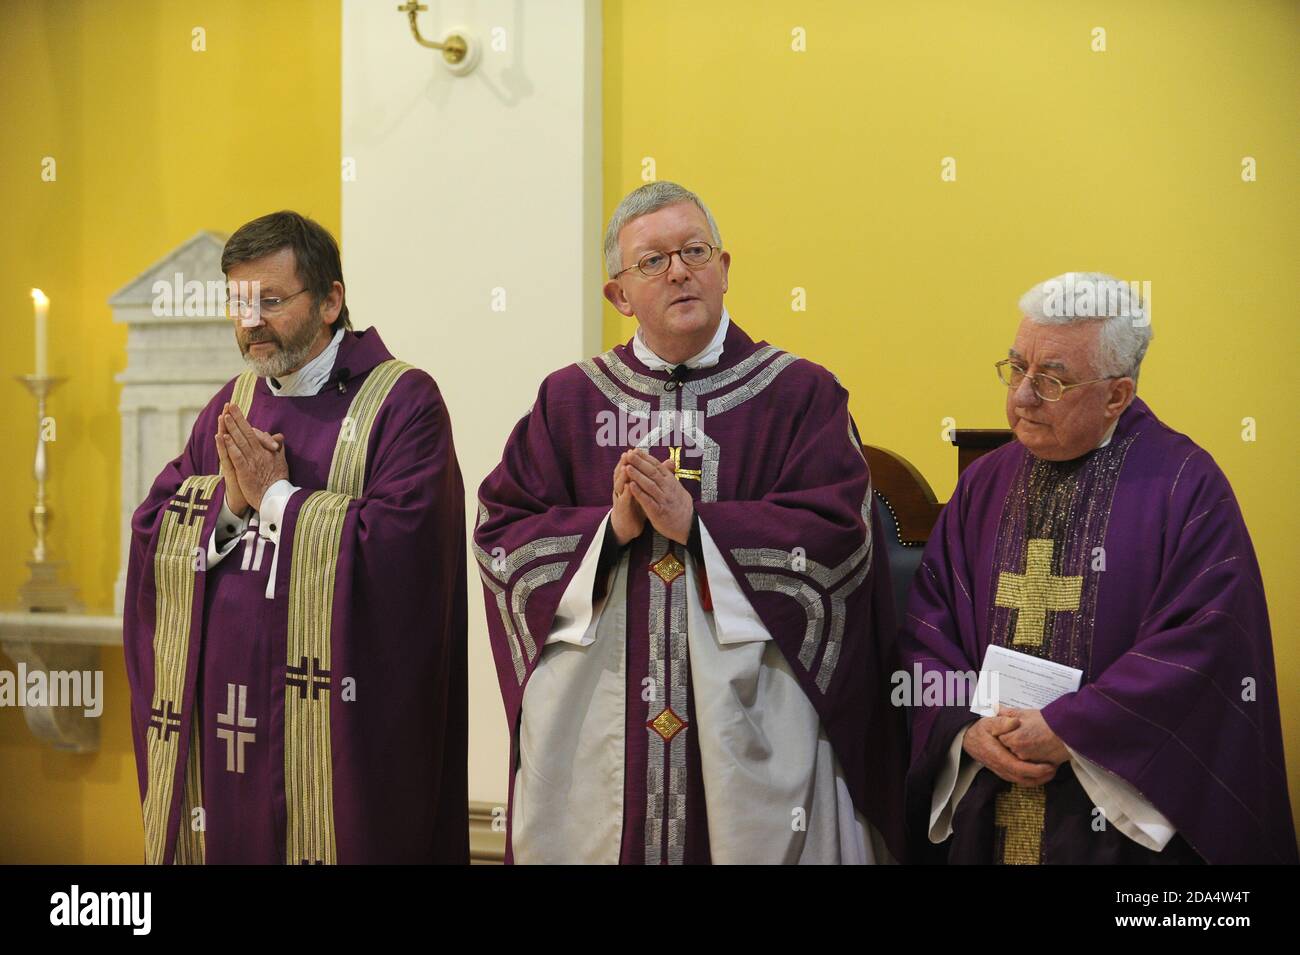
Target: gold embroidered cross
[(675, 456), (1035, 592), (1021, 811)]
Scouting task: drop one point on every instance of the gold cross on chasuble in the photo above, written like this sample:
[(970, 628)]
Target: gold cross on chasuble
[(683, 474), (1035, 592), (1021, 811)]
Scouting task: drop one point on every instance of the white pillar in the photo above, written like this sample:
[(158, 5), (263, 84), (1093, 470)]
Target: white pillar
[(472, 232)]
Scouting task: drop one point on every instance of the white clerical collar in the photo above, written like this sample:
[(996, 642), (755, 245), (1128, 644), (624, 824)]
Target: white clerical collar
[(311, 377), (1106, 440), (711, 355)]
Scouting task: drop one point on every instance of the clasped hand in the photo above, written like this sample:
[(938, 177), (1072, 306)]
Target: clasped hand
[(1017, 745), (251, 459), (647, 489)]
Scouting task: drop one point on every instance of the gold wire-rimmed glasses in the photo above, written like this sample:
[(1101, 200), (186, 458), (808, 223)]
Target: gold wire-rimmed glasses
[(694, 255), (1045, 386)]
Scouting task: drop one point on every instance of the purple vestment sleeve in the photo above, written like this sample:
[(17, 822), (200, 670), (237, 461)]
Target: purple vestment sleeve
[(399, 628), (937, 639), (1189, 715), (530, 539), (140, 596), (812, 533)]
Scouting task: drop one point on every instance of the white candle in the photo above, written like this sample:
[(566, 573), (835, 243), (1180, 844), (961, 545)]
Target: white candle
[(42, 344)]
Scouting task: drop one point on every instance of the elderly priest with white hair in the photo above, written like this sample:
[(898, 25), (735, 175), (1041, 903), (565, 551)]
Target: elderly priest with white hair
[(1100, 568)]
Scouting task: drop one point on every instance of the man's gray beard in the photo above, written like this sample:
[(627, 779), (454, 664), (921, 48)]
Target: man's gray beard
[(290, 356)]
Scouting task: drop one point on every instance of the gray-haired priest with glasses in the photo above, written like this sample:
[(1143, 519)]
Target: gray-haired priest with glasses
[(692, 628), (295, 611), (1097, 575)]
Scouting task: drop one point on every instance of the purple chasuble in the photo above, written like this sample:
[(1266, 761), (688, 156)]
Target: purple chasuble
[(1133, 564), (773, 463), (326, 723)]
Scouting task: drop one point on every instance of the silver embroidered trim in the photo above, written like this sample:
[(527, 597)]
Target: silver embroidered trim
[(679, 664), (657, 670), (507, 624), (839, 602), (514, 619), (650, 386), (828, 577), (636, 407), (523, 589), (542, 547), (733, 374), (756, 385), (831, 579), (808, 598)]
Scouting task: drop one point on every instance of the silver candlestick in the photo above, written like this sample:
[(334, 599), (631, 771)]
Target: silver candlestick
[(44, 591)]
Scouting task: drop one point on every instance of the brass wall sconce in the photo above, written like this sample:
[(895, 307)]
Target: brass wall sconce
[(460, 51)]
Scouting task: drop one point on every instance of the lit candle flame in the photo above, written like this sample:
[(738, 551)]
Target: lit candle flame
[(39, 297)]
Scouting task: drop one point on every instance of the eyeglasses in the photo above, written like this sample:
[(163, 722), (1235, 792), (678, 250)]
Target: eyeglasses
[(694, 255), (1045, 386), (269, 306)]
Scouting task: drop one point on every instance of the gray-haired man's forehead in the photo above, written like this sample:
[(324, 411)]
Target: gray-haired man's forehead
[(639, 249)]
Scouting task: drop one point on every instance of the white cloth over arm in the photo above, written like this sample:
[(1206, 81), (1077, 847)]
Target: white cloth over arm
[(576, 616), (1126, 809), (568, 789), (230, 528), (774, 791), (762, 745), (949, 786)]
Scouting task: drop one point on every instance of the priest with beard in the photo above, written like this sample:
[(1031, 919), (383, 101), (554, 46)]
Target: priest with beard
[(1103, 541), (688, 603), (295, 620)]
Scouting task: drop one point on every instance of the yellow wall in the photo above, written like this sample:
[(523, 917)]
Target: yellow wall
[(822, 169), (153, 142)]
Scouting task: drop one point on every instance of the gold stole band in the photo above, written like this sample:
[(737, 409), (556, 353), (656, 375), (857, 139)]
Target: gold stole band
[(176, 560), (308, 754), (180, 554)]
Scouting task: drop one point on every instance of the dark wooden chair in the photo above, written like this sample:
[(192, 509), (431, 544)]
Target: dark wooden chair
[(908, 506)]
